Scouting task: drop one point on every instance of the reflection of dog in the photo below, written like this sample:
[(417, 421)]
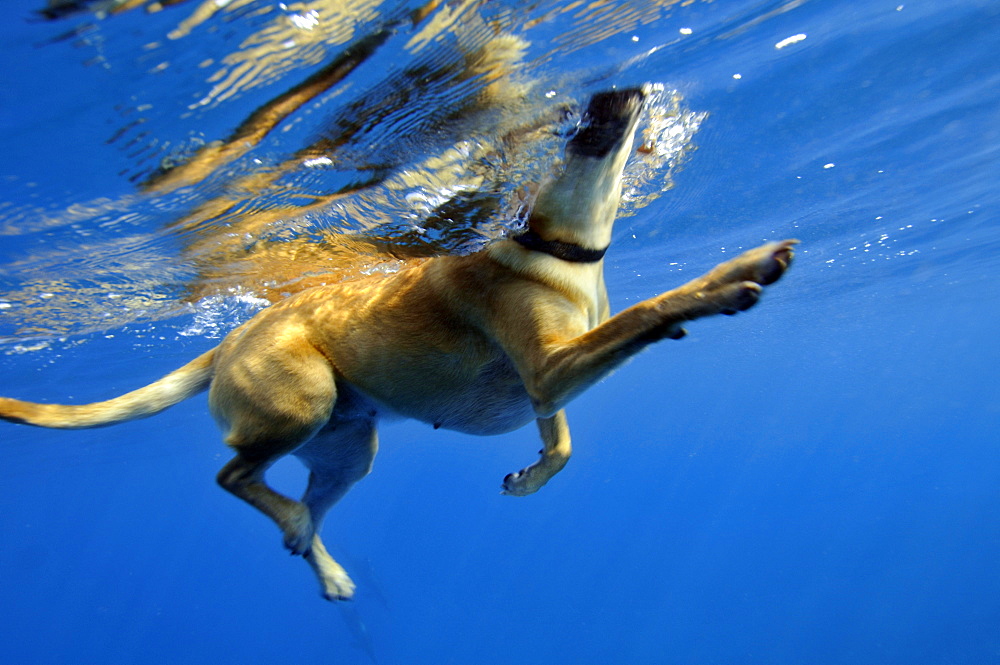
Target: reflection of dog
[(481, 343)]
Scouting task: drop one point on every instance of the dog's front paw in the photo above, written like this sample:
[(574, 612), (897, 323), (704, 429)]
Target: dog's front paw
[(762, 265), (519, 484), (528, 480), (739, 297), (769, 262), (731, 287)]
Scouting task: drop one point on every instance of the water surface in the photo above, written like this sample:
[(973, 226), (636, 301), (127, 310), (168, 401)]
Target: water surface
[(814, 481)]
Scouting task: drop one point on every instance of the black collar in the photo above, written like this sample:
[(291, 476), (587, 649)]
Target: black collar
[(565, 251)]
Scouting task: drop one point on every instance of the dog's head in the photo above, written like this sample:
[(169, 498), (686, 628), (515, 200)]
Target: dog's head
[(578, 207)]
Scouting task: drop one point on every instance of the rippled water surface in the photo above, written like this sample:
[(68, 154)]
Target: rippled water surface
[(814, 481)]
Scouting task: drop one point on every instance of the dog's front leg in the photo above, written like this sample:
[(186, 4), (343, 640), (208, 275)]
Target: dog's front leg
[(553, 457), (556, 371)]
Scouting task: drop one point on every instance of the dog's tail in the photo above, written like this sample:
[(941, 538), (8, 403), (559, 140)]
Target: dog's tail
[(175, 387)]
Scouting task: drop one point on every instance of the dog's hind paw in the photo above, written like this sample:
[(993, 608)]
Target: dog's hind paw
[(298, 533), (334, 582)]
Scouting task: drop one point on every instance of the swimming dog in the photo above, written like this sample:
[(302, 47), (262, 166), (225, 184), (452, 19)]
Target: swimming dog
[(482, 343)]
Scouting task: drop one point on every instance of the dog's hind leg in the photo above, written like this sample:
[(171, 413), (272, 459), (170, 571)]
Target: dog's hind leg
[(554, 455), (244, 478), (271, 404), (337, 458)]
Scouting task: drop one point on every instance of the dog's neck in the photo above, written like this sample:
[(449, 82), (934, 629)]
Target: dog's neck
[(564, 251), (574, 213), (572, 217)]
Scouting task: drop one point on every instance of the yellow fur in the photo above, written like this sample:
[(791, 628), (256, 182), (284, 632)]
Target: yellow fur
[(483, 344)]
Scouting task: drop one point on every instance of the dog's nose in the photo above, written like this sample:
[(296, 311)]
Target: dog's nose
[(608, 120)]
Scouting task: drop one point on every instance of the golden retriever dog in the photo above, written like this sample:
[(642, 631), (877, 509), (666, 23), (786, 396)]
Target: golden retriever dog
[(481, 343)]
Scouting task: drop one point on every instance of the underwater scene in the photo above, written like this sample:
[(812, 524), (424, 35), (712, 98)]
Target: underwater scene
[(813, 481)]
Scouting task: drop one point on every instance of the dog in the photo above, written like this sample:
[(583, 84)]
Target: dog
[(481, 343)]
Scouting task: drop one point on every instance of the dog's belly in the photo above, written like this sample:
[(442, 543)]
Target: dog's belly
[(484, 409), (493, 401)]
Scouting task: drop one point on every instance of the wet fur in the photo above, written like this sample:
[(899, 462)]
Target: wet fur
[(483, 344)]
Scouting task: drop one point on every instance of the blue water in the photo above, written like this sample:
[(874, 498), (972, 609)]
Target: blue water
[(814, 481)]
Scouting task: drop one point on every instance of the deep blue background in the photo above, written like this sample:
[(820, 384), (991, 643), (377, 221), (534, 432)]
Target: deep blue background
[(815, 481)]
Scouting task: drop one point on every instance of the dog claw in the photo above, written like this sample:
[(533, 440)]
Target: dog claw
[(521, 483), (781, 258), (508, 487), (745, 297)]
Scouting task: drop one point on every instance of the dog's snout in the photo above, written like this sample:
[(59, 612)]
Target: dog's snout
[(608, 121), (613, 104)]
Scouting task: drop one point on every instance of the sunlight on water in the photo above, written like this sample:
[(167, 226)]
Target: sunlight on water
[(294, 35), (215, 316), (664, 138), (328, 179), (366, 135)]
